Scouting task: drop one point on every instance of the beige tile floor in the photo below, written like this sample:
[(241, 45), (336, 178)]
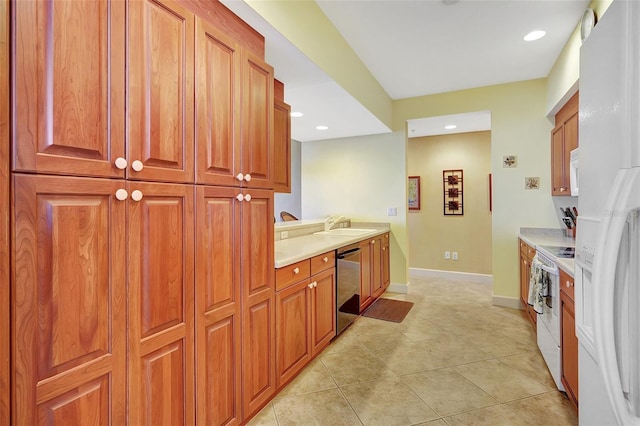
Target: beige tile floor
[(454, 360)]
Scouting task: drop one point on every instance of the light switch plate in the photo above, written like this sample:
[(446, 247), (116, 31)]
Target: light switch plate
[(392, 211)]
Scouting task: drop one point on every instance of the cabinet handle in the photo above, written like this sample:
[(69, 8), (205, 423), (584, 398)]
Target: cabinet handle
[(239, 197), (247, 197), (136, 195), (325, 259), (247, 177), (384, 249), (296, 270), (568, 283), (121, 163), (373, 241), (240, 176), (122, 194), (310, 285), (563, 189), (137, 165), (315, 284)]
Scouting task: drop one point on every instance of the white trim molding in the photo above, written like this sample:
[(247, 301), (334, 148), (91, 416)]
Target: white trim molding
[(506, 302), (450, 275)]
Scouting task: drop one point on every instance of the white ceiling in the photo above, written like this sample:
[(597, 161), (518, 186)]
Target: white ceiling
[(416, 48)]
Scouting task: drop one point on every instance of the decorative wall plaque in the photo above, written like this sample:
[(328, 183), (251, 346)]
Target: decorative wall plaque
[(452, 192)]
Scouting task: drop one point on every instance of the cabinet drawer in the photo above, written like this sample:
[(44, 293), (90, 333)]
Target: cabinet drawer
[(523, 247), (566, 284), (323, 261), (293, 273)]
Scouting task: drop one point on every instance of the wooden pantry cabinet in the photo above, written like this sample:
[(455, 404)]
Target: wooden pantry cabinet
[(234, 110), (564, 139), (374, 269), (110, 232), (305, 313)]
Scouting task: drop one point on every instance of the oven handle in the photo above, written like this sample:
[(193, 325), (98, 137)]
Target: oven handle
[(342, 255), (549, 269)]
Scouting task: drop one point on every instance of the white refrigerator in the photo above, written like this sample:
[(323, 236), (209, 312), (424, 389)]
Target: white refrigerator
[(608, 235)]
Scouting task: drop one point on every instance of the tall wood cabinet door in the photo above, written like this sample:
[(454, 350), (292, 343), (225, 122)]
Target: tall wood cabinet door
[(218, 84), (386, 262), (160, 91), (68, 299), (68, 87), (218, 346), (323, 309), (282, 147), (293, 326), (161, 298), (257, 122), (569, 345), (258, 310)]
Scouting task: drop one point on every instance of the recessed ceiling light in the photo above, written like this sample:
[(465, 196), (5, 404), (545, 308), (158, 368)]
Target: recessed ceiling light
[(534, 35), (450, 126), (321, 127), (296, 114)]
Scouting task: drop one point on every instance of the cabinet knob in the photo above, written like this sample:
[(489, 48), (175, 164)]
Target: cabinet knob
[(325, 259), (568, 283), (239, 197), (136, 195), (120, 163), (310, 285), (563, 189), (247, 177), (137, 165), (296, 270), (384, 249), (247, 197), (373, 241), (240, 176), (315, 284), (122, 194)]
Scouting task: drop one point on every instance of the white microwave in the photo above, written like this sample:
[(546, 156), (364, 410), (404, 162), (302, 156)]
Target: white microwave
[(573, 172)]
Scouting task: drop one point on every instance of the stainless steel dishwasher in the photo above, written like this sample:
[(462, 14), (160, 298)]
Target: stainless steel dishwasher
[(348, 286)]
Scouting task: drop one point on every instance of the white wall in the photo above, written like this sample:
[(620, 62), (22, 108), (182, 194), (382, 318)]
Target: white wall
[(291, 202), (360, 178)]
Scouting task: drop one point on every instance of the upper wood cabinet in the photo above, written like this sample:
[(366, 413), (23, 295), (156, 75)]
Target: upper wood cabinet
[(160, 91), (281, 141), (564, 139), (69, 87), (234, 108), (68, 289)]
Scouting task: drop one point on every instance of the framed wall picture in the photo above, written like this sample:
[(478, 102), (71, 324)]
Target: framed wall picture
[(452, 192), (414, 193)]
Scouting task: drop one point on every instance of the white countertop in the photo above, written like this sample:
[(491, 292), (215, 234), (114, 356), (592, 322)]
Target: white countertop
[(292, 250), (550, 237)]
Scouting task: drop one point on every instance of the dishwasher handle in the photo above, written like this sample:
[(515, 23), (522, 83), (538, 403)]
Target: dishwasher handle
[(342, 255)]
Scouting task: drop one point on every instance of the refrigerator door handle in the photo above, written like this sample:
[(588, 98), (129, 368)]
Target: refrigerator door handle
[(623, 202)]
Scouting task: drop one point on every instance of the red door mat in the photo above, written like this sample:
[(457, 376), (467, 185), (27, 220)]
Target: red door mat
[(388, 310)]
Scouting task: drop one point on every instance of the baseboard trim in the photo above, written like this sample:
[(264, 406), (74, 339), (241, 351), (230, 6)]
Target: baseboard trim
[(506, 302), (450, 275), (399, 288)]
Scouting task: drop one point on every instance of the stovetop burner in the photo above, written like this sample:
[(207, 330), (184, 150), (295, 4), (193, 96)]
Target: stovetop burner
[(560, 251)]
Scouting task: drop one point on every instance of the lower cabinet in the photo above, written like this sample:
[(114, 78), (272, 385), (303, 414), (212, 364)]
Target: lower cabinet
[(569, 340), (526, 254), (374, 269), (386, 259), (305, 316)]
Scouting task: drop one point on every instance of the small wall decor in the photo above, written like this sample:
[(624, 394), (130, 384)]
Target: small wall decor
[(510, 161), (414, 193), (532, 183), (452, 192)]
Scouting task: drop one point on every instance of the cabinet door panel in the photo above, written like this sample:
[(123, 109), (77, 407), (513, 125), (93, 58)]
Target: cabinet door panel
[(161, 298), (69, 252), (160, 92), (257, 121), (293, 325), (69, 87), (557, 168), (257, 242), (88, 404), (282, 147), (366, 295), (218, 374), (386, 260), (217, 106), (323, 309)]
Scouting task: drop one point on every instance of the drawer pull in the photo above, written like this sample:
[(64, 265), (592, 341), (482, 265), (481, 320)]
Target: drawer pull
[(296, 270), (325, 259)]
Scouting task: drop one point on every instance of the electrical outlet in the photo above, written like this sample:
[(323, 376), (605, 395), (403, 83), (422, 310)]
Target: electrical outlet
[(447, 255), (392, 211), (454, 255), (284, 235)]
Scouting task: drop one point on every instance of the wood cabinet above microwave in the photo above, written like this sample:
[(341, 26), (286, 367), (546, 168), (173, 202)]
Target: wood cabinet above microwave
[(564, 139)]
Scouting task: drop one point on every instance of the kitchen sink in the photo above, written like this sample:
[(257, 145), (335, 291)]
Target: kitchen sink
[(346, 232)]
